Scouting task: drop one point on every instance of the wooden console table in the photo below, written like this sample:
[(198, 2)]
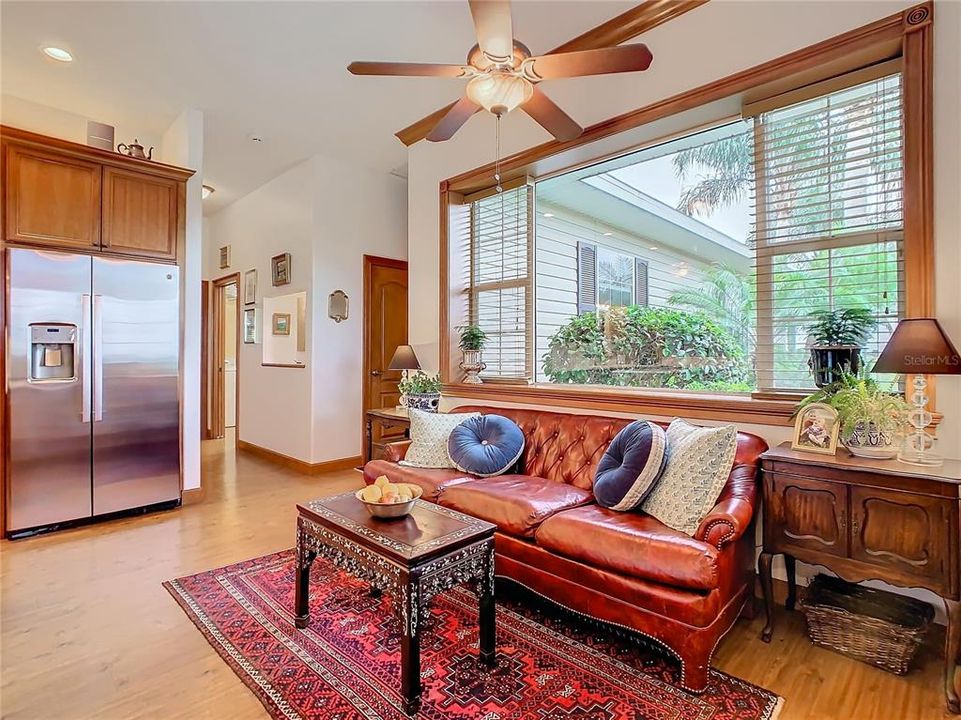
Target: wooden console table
[(866, 520), (386, 418)]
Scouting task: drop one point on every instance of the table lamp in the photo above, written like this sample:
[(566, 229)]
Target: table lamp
[(404, 359), (919, 347)]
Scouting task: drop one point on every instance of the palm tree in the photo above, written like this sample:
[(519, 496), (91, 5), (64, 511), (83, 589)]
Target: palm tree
[(727, 297), (731, 173)]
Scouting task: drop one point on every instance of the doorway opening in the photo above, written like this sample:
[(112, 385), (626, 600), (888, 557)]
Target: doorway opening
[(225, 365)]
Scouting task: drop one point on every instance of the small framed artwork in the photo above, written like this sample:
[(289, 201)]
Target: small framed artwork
[(225, 257), (816, 429), (280, 269), (281, 323), (250, 287), (250, 325)]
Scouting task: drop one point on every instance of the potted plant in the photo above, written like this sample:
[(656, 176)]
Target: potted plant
[(872, 419), (422, 391), (836, 338), (472, 340)]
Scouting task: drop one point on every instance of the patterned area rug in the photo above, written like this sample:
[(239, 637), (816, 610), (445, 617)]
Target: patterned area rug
[(345, 665)]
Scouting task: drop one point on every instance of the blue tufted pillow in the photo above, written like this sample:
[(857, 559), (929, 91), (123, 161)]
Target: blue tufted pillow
[(485, 445), (630, 467)]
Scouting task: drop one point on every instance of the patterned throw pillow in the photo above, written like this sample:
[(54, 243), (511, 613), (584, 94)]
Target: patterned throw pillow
[(631, 466), (428, 438), (699, 461)]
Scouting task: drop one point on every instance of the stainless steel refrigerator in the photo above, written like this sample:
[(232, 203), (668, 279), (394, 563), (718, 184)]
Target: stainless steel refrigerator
[(93, 387)]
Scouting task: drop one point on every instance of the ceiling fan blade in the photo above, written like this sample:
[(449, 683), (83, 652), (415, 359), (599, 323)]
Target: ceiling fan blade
[(408, 69), (550, 117), (623, 58), (460, 112), (492, 23)]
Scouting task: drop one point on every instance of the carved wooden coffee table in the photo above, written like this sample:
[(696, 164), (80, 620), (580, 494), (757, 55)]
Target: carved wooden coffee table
[(413, 559)]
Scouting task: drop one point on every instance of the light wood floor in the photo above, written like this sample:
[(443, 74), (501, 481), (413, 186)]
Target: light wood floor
[(88, 631)]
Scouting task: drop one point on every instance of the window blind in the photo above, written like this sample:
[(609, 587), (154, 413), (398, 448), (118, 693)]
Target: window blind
[(829, 223), (500, 280)]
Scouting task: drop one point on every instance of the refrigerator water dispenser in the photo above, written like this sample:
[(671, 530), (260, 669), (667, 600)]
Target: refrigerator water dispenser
[(53, 352)]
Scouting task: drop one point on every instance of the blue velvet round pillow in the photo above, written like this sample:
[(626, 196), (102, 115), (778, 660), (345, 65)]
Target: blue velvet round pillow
[(485, 445), (631, 466)]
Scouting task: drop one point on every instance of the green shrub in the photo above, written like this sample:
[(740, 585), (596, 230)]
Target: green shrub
[(648, 347)]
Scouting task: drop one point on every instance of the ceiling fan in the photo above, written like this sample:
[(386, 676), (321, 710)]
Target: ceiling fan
[(503, 75)]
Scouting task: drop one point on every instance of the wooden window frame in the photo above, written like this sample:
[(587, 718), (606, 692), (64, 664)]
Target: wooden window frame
[(907, 35)]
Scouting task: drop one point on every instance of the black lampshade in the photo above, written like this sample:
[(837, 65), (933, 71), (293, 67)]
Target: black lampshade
[(404, 359), (919, 346)]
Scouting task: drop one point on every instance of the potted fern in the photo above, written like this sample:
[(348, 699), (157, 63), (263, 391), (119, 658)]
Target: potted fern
[(872, 419), (836, 339), (472, 340), (421, 391)]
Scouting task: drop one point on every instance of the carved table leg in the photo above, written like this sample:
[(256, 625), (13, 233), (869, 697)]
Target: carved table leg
[(410, 646), (952, 648), (302, 582), (487, 611), (790, 567), (369, 432), (767, 588)]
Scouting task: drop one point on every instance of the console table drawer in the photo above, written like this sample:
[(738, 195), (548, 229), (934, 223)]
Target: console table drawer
[(805, 514)]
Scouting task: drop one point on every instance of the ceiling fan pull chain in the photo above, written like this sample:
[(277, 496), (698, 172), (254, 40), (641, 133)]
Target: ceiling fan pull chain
[(497, 155)]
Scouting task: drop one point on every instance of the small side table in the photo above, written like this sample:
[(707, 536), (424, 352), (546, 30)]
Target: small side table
[(866, 520), (386, 418)]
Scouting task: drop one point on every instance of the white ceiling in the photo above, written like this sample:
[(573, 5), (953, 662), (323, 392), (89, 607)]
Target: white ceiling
[(275, 69)]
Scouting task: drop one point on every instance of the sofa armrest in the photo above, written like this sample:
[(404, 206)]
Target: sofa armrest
[(732, 515), (396, 451)]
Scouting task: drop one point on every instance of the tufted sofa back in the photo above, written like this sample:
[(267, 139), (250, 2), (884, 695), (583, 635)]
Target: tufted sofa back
[(567, 448)]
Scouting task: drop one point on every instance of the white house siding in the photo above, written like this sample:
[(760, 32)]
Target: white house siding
[(555, 268)]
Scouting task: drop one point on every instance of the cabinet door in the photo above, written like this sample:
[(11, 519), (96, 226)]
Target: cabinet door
[(805, 515), (51, 199), (140, 214), (907, 534)]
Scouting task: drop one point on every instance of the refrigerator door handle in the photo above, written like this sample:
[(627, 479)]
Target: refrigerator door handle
[(85, 363), (97, 358)]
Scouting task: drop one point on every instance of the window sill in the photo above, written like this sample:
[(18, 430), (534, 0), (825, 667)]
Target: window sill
[(767, 410)]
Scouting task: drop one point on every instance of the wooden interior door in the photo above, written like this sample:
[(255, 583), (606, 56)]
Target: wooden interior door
[(219, 320), (385, 327)]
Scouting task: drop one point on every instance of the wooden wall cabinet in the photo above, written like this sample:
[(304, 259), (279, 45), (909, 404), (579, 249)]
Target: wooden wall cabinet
[(63, 195), (866, 520)]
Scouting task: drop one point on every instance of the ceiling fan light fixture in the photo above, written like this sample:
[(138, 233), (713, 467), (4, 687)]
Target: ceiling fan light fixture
[(500, 92)]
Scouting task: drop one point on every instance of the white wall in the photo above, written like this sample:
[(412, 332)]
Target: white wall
[(327, 215), (711, 42)]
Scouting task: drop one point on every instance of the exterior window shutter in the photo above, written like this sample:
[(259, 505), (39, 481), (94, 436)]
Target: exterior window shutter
[(586, 277), (640, 282)]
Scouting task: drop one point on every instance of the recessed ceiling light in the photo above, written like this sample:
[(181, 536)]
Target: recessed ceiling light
[(548, 214), (608, 234), (653, 247), (207, 192), (58, 54)]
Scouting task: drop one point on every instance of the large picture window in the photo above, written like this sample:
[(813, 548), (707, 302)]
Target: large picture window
[(695, 264)]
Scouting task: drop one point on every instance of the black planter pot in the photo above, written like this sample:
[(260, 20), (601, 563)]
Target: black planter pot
[(829, 363)]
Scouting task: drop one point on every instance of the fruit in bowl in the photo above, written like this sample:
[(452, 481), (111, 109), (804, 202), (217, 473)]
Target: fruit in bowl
[(385, 499)]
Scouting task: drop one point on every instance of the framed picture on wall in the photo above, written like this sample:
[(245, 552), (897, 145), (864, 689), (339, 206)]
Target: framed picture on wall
[(281, 323), (250, 287), (280, 269), (250, 325), (225, 257)]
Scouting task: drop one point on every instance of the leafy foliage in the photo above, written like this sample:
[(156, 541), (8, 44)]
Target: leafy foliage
[(420, 382), (727, 296), (729, 162), (861, 399), (472, 337), (640, 346), (847, 326)]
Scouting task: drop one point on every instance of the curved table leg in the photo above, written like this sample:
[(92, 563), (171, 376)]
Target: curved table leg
[(767, 588), (952, 648)]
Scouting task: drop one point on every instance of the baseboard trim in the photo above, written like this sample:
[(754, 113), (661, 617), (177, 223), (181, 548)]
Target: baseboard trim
[(296, 464), (192, 496)]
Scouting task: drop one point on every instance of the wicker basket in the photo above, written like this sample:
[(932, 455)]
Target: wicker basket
[(873, 626)]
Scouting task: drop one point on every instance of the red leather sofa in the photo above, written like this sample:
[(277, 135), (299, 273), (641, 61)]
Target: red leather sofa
[(627, 569)]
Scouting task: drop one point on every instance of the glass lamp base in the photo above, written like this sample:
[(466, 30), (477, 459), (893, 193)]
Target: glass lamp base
[(926, 459)]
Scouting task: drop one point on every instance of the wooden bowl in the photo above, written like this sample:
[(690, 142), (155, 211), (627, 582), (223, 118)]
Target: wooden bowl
[(389, 511)]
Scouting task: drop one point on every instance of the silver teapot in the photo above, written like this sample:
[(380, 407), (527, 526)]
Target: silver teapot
[(135, 150)]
